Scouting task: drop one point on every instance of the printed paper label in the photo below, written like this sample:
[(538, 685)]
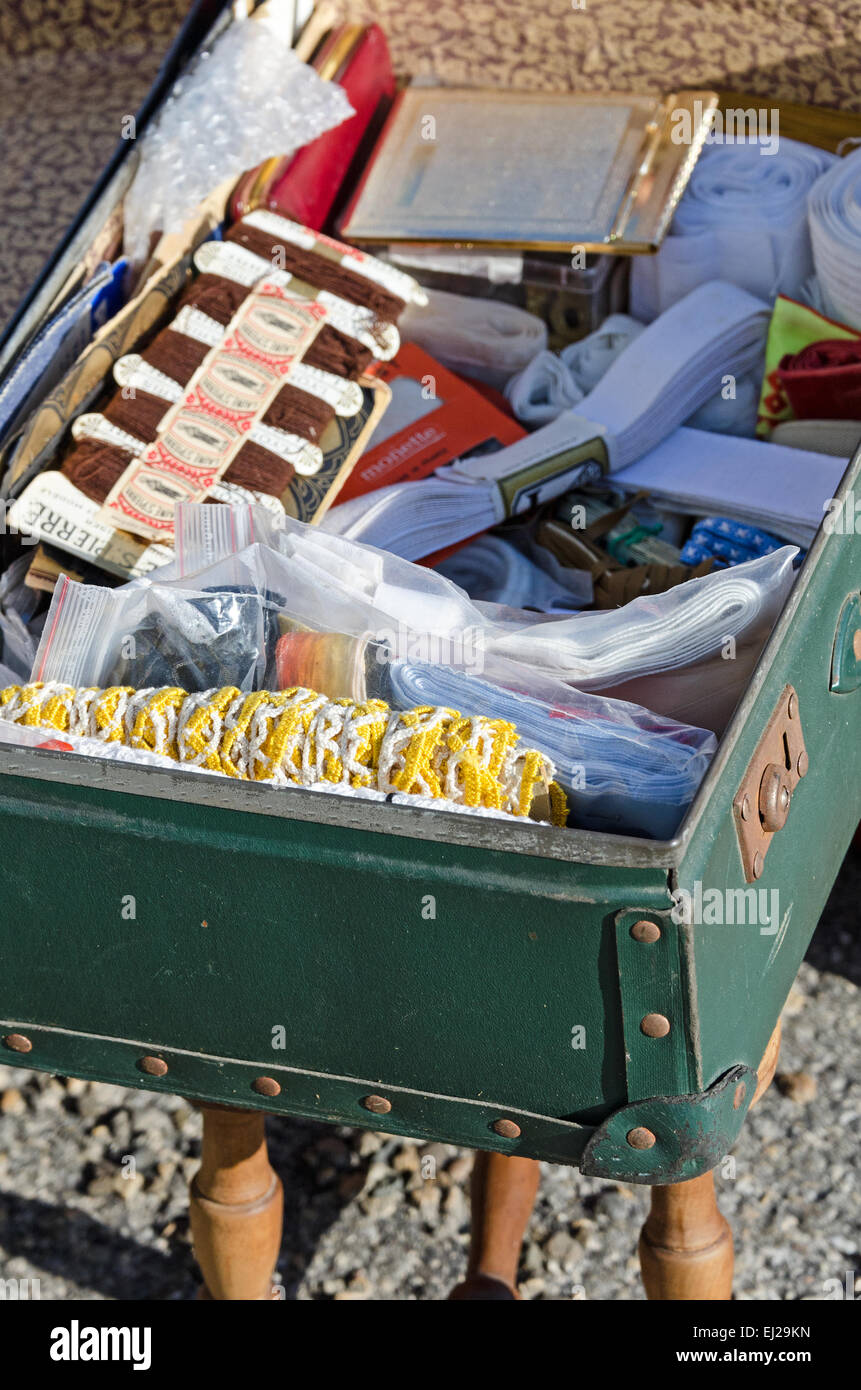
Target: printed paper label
[(52, 509)]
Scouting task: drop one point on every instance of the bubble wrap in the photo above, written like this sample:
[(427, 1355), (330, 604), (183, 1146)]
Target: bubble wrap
[(246, 99)]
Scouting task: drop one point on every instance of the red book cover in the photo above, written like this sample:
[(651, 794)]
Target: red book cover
[(307, 189)]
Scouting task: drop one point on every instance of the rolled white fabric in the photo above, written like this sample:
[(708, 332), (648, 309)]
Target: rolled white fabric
[(543, 390), (736, 414), (589, 358), (483, 338), (838, 437), (742, 218), (834, 214), (553, 383)]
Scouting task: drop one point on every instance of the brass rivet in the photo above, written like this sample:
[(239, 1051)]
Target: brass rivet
[(153, 1066), (655, 1026), (856, 644), (803, 764), (757, 865), (16, 1042), (740, 1093), (641, 1138), (645, 932), (745, 807), (792, 707), (506, 1129), (378, 1105), (775, 795), (266, 1086)]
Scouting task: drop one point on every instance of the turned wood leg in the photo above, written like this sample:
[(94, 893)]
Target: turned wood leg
[(686, 1245), (502, 1194), (236, 1206)]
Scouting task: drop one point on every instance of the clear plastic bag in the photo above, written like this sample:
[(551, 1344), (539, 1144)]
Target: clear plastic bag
[(333, 584), (246, 99), (215, 621), (421, 640), (721, 618), (628, 767), (158, 635), (724, 616), (622, 768)]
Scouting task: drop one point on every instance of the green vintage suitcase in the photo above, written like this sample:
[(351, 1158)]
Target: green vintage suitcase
[(530, 991), (445, 965)]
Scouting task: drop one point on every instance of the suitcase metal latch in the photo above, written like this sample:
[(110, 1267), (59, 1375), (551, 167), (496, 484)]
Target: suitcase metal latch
[(761, 804)]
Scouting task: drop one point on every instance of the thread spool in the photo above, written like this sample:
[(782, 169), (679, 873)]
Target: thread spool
[(95, 468), (139, 414), (317, 271), (175, 354), (330, 662), (178, 356), (331, 350)]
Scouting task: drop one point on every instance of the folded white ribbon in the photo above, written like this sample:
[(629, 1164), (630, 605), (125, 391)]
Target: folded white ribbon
[(742, 218), (783, 490), (661, 632), (666, 373), (675, 365)]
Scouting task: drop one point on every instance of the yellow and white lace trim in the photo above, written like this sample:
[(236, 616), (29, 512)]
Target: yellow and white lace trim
[(297, 737)]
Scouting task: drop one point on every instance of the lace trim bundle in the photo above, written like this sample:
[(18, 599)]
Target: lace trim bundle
[(296, 737)]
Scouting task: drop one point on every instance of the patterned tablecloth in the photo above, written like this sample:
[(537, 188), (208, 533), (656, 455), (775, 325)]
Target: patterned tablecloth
[(791, 50), (69, 71)]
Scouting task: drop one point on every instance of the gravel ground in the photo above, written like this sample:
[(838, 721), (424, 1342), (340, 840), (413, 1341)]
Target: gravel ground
[(362, 1223)]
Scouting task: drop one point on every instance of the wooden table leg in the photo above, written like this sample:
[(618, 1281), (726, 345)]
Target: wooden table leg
[(686, 1245), (236, 1206), (503, 1194)]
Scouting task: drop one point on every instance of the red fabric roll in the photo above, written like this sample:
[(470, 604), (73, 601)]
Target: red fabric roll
[(823, 381)]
